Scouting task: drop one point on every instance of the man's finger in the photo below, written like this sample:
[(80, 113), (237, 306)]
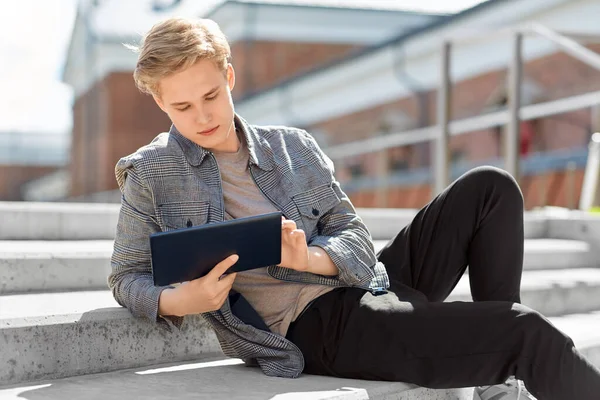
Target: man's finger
[(289, 224), (222, 267), (298, 233)]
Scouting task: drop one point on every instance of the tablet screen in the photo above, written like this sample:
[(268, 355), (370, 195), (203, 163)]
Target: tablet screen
[(185, 254)]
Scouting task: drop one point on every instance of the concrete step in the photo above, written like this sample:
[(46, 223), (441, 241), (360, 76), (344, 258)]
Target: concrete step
[(31, 266), (92, 221), (574, 224), (552, 292), (385, 223), (584, 329), (549, 254), (57, 221), (557, 254), (52, 335), (220, 379), (229, 379), (36, 266), (56, 335)]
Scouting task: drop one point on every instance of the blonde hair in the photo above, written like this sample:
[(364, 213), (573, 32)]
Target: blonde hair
[(174, 45)]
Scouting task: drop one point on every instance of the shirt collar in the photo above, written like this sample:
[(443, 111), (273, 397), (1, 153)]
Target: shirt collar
[(260, 153)]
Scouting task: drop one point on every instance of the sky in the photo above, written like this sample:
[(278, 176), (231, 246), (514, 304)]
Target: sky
[(34, 38)]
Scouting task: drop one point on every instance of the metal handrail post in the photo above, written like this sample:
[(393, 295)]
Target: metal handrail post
[(589, 188), (514, 107), (442, 143), (595, 118)]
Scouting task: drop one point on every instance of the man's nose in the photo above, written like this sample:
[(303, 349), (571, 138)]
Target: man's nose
[(202, 117)]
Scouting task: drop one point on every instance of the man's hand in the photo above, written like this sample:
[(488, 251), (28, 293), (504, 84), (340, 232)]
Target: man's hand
[(294, 250), (199, 295), (297, 255)]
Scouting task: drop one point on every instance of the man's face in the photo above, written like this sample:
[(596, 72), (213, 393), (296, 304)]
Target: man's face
[(198, 101)]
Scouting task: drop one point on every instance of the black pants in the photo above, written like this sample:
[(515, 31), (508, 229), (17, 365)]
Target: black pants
[(411, 335)]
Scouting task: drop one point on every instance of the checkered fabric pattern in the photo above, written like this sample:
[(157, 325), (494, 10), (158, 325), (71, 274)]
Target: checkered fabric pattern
[(173, 183)]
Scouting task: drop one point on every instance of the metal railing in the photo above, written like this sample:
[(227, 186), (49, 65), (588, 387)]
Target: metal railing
[(511, 118)]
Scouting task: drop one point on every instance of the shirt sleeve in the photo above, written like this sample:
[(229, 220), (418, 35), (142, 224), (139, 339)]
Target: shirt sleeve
[(342, 233), (131, 278)]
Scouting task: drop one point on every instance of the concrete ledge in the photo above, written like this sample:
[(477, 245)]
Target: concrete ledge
[(548, 254), (552, 292), (584, 330), (535, 224), (92, 221), (222, 379), (53, 335), (57, 221), (574, 224), (20, 275), (558, 254), (385, 223), (35, 266), (101, 340)]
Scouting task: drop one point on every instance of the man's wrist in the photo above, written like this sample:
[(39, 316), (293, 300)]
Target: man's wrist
[(167, 304), (320, 263)]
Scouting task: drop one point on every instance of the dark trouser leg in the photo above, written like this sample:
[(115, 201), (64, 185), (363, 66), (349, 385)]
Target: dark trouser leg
[(352, 334), (476, 221)]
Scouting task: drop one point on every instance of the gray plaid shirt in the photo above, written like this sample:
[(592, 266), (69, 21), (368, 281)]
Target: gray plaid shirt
[(173, 182)]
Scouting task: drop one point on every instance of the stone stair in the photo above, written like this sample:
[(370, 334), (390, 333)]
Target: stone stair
[(61, 331)]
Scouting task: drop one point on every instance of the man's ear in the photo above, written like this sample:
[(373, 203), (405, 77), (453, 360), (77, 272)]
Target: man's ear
[(159, 102), (230, 76)]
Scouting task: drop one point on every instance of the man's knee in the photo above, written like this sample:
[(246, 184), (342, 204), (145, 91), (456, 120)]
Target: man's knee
[(538, 332), (500, 181), (532, 322)]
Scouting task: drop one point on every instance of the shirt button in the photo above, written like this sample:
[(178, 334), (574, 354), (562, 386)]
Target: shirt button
[(315, 212)]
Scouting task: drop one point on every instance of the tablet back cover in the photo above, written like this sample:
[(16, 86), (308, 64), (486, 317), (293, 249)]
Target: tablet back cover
[(189, 253)]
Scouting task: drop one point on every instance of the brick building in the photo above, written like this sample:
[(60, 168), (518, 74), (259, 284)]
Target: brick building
[(27, 156), (349, 74), (393, 87), (269, 42)]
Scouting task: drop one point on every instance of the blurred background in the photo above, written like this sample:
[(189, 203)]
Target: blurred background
[(403, 95)]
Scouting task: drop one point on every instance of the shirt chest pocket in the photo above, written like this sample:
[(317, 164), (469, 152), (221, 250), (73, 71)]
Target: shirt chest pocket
[(313, 204), (182, 214)]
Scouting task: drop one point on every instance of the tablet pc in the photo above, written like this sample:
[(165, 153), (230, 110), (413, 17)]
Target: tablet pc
[(185, 254)]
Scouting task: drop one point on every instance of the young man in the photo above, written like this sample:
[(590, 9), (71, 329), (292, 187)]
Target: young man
[(325, 309)]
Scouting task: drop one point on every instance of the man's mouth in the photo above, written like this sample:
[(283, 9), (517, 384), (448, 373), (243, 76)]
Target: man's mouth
[(209, 131)]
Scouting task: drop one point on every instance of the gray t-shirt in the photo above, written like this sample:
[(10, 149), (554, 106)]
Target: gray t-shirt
[(277, 302)]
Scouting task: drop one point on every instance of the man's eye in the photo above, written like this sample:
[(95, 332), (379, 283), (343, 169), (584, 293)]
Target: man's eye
[(211, 98), (184, 108)]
